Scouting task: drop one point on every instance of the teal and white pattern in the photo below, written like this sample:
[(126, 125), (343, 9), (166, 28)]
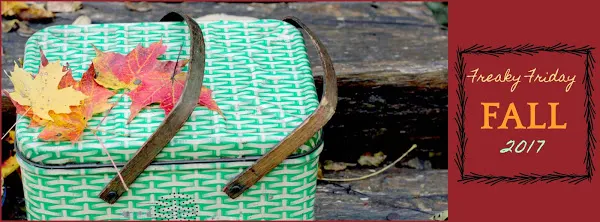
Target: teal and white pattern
[(258, 71), (261, 79), (176, 192)]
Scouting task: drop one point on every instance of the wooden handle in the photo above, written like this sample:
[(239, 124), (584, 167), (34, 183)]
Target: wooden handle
[(173, 122), (300, 135)]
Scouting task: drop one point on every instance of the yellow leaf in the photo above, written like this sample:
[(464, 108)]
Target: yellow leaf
[(336, 166), (372, 160), (11, 137), (35, 12), (41, 93), (9, 25), (13, 8), (9, 166)]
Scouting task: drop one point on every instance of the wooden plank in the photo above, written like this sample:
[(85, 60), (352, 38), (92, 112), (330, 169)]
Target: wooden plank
[(397, 194), (397, 38)]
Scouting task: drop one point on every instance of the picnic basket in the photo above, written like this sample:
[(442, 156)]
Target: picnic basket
[(258, 161)]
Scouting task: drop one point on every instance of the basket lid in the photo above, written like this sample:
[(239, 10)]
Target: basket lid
[(258, 70)]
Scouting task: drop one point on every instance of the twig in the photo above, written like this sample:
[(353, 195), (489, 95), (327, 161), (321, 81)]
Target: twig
[(104, 117), (373, 174), (104, 147), (113, 162), (176, 64)]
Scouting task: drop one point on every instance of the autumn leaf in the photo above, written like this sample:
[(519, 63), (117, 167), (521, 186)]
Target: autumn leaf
[(9, 25), (67, 80), (65, 126), (371, 160), (97, 96), (160, 86), (11, 137), (119, 71), (41, 92), (12, 8), (148, 79), (336, 166), (9, 166), (26, 12), (35, 12), (71, 126), (26, 111)]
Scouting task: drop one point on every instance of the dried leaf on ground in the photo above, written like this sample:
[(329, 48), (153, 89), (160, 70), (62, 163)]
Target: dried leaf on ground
[(148, 79), (371, 160), (82, 20), (9, 166), (336, 166), (35, 12), (41, 92), (24, 29), (320, 172), (138, 6), (11, 137), (10, 8), (9, 25), (63, 6)]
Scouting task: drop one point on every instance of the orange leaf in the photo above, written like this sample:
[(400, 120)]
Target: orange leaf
[(70, 126), (67, 126)]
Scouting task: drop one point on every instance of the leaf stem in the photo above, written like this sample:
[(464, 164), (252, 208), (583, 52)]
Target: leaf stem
[(176, 64), (113, 162)]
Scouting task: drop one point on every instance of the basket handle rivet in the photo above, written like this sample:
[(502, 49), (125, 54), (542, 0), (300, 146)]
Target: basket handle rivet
[(236, 188), (112, 194)]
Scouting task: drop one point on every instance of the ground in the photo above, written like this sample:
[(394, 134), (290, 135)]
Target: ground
[(392, 65), (397, 194)]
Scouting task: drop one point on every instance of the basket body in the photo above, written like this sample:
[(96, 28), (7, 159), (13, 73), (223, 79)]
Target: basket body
[(190, 191), (262, 81)]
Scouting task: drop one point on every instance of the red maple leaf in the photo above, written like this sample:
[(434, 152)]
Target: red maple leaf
[(97, 100), (161, 86), (119, 71), (148, 79)]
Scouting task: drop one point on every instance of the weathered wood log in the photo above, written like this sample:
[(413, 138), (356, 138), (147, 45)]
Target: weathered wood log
[(397, 194)]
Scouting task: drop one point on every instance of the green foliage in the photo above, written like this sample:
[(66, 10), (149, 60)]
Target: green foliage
[(440, 12)]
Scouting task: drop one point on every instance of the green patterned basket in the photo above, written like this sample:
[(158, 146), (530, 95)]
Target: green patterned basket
[(262, 81)]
